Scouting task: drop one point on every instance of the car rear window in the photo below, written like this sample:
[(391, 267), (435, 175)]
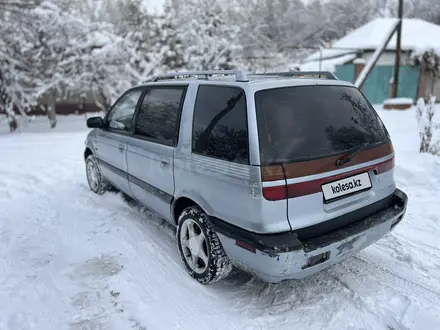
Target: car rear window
[(308, 122)]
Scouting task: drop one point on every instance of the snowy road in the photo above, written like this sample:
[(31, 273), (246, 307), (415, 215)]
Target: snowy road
[(72, 260)]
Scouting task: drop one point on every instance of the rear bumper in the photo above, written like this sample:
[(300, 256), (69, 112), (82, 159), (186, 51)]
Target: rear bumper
[(279, 257)]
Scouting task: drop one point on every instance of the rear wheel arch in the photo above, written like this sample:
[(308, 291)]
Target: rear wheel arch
[(87, 152), (181, 204)]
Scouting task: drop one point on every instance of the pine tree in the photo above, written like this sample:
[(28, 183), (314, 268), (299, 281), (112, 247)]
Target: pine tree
[(169, 46), (210, 42)]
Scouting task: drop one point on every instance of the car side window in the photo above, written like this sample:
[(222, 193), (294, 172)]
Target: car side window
[(121, 114), (159, 114), (220, 127)]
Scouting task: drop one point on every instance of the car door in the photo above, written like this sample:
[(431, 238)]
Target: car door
[(112, 139), (150, 150)]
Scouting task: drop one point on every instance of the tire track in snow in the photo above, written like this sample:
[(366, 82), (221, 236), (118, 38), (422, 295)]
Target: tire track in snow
[(389, 321), (401, 294), (396, 282), (407, 250), (12, 184)]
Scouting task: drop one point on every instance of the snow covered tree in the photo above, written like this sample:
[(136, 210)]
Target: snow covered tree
[(279, 31), (259, 31), (168, 47), (51, 37), (136, 31), (428, 10), (210, 42), (37, 43), (71, 54), (343, 16), (50, 49), (106, 71), (47, 53), (84, 57), (141, 31), (15, 66), (429, 129)]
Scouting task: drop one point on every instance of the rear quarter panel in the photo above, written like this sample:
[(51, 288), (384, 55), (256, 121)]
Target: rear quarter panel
[(226, 190)]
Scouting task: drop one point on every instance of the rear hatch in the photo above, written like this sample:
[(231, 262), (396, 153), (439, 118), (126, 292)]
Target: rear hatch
[(329, 147)]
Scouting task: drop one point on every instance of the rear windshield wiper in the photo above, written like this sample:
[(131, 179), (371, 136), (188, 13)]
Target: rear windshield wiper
[(344, 160)]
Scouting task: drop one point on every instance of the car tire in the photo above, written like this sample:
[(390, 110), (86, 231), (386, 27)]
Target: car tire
[(96, 181), (200, 248)]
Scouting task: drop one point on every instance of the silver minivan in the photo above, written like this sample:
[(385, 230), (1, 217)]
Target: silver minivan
[(279, 174)]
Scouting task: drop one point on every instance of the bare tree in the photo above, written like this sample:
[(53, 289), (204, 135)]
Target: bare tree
[(428, 127)]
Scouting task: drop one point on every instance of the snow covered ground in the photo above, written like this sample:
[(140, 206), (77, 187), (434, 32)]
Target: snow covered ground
[(72, 260)]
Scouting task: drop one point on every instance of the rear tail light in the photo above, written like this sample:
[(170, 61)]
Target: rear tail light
[(275, 193), (385, 166), (270, 174), (280, 192), (304, 188)]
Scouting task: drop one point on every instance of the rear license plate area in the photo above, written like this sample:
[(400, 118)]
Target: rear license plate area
[(347, 186)]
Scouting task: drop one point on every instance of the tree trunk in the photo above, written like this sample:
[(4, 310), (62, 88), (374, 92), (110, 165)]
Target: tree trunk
[(51, 114), (175, 5), (101, 100), (13, 124), (10, 114)]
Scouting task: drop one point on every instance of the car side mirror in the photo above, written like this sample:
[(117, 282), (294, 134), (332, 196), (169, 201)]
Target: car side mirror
[(95, 122)]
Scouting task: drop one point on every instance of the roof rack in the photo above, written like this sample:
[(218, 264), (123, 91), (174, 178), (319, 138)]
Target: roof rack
[(300, 74), (239, 75)]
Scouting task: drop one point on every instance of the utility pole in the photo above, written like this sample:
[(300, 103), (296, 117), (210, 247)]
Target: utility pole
[(398, 51)]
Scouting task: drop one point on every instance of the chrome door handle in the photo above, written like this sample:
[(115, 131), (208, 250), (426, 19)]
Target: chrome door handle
[(121, 147)]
